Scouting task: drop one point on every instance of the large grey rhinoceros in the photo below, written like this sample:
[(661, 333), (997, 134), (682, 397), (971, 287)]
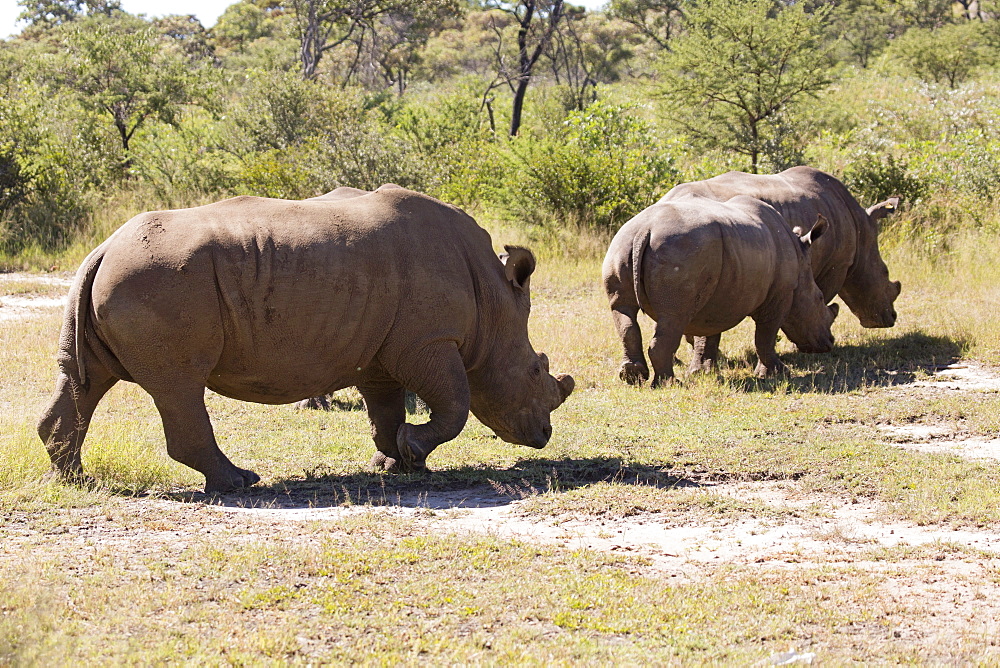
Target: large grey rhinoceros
[(698, 267), (273, 301), (846, 261)]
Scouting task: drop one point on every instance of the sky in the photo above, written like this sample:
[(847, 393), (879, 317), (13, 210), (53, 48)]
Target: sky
[(207, 11)]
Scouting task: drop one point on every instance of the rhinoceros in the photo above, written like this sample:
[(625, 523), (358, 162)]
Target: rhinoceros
[(698, 267), (846, 261), (273, 301)]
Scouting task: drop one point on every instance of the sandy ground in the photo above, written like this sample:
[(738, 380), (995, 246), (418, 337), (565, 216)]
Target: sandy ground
[(20, 307)]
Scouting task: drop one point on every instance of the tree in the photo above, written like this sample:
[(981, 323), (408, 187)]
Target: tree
[(587, 50), (323, 25), (118, 71), (738, 68), (48, 13), (864, 27), (949, 54), (387, 49), (536, 22), (656, 19)]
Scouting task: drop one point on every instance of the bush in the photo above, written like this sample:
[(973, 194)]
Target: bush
[(599, 170), (873, 177)]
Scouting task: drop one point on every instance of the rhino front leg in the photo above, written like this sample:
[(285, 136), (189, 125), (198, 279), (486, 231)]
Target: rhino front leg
[(191, 440), (438, 376), (705, 353), (386, 406), (765, 337), (64, 424), (633, 370)]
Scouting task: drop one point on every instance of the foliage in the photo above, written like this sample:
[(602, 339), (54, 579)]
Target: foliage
[(874, 177), (947, 55), (99, 105), (117, 70), (658, 20), (43, 14), (601, 168), (738, 70)]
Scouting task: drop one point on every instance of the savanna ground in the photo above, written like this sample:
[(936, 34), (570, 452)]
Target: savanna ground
[(847, 511)]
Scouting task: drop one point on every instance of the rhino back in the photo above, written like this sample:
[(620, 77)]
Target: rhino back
[(800, 195), (290, 299), (713, 262)]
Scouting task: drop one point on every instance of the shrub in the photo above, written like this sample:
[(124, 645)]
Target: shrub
[(599, 170), (874, 177)]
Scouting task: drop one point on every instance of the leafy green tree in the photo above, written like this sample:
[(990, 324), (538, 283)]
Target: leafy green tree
[(242, 23), (119, 71), (323, 25), (389, 48), (864, 27), (655, 19), (948, 55), (735, 73), (47, 13), (186, 34)]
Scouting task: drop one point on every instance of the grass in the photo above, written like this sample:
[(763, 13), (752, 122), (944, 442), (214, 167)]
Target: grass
[(91, 574), (358, 592)]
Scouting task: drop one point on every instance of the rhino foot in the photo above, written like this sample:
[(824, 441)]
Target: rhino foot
[(382, 462), (70, 477), (412, 456), (634, 373), (237, 479), (778, 369), (664, 381)]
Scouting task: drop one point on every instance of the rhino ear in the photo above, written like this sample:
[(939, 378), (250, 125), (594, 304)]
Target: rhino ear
[(519, 263), (879, 211), (818, 229)]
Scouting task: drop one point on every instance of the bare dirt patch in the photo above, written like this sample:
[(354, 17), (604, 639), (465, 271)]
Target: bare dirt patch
[(830, 529), (951, 438), (20, 296)]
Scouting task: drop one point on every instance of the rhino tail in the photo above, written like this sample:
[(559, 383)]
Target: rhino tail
[(639, 245), (80, 300)]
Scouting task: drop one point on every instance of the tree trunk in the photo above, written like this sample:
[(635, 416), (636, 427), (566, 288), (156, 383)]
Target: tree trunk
[(515, 113)]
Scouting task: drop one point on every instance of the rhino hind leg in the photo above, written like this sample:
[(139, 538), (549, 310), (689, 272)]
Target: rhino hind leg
[(705, 353), (634, 370), (191, 440), (666, 340), (65, 421)]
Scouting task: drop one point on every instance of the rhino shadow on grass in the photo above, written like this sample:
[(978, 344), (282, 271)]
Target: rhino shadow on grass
[(885, 361), (461, 487)]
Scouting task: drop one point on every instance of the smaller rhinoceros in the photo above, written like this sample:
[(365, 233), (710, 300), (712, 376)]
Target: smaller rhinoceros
[(698, 267)]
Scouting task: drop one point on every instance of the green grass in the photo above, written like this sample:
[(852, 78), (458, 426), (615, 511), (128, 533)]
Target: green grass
[(389, 595), (168, 579)]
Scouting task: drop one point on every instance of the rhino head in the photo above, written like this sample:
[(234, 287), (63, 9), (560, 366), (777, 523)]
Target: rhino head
[(809, 319), (513, 393), (868, 292)]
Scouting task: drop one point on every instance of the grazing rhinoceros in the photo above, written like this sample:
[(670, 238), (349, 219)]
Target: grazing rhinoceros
[(274, 301), (698, 267), (846, 261)]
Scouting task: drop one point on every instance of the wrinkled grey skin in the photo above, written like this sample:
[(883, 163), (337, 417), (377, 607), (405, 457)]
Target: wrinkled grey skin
[(698, 267), (275, 301), (322, 402), (845, 261)]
